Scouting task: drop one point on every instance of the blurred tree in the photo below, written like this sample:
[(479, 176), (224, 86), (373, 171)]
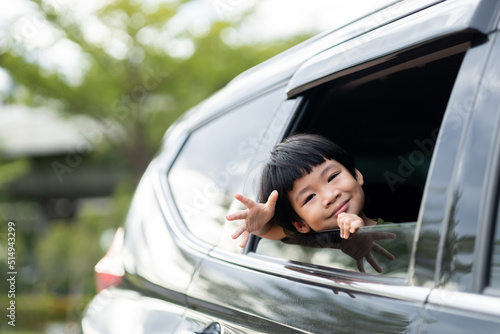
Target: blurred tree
[(134, 68), (139, 68)]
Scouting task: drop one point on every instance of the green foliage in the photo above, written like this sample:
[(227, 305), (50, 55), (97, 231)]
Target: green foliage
[(140, 91), (149, 84), (10, 170), (68, 252), (34, 312)]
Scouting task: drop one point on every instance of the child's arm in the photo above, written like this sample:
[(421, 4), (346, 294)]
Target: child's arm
[(256, 219)]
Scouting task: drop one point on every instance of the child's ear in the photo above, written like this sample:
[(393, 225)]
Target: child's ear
[(301, 227), (359, 177)]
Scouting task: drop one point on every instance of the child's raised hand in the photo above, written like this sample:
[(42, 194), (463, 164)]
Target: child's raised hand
[(255, 217), (348, 223)]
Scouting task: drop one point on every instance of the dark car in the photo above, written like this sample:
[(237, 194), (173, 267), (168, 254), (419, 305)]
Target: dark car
[(413, 93)]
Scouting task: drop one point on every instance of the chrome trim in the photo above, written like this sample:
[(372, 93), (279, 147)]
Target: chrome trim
[(461, 301), (389, 287), (158, 174)]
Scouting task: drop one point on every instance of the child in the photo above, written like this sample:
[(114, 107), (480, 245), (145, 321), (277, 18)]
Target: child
[(310, 184)]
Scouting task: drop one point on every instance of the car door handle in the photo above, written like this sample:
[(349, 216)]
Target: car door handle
[(213, 328)]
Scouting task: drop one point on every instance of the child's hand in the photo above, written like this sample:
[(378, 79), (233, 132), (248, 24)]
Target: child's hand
[(254, 217), (348, 223)]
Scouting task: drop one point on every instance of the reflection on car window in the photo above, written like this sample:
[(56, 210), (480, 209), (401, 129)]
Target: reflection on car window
[(326, 251), (495, 259), (213, 163)]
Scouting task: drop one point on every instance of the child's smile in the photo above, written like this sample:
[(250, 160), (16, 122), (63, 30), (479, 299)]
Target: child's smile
[(320, 196)]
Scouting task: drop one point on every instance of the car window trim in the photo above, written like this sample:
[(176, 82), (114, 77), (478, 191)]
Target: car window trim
[(391, 287), (490, 219)]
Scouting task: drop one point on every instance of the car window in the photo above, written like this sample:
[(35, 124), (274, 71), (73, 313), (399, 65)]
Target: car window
[(213, 162), (388, 117)]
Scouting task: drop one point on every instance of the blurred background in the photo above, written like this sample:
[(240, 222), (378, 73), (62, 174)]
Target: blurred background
[(87, 90)]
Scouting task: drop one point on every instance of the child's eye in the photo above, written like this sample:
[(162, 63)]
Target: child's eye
[(310, 197), (333, 176)]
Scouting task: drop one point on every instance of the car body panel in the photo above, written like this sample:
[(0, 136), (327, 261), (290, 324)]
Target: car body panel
[(176, 283), (302, 298), (460, 302), (148, 239), (457, 312), (127, 311)]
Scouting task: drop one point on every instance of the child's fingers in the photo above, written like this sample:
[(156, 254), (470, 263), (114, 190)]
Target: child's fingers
[(344, 232), (273, 198), (348, 224), (240, 230), (244, 238), (343, 222), (244, 200), (355, 225), (237, 215)]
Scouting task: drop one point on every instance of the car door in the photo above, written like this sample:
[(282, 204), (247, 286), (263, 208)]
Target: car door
[(466, 295), (288, 288), (216, 156)]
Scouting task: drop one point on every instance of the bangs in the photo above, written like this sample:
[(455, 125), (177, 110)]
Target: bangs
[(293, 168)]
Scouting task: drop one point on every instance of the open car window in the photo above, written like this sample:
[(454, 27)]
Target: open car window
[(387, 116)]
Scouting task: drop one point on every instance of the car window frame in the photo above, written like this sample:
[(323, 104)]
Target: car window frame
[(383, 41), (491, 212), (184, 136), (302, 109)]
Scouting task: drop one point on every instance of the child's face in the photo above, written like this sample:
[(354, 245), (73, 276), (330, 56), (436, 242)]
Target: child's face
[(320, 196)]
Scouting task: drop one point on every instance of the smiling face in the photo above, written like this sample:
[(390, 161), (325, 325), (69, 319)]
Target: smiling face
[(321, 195)]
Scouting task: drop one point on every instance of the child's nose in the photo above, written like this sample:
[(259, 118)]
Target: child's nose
[(330, 197)]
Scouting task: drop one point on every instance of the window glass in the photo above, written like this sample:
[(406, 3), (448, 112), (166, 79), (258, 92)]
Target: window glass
[(214, 161), (390, 245), (268, 138)]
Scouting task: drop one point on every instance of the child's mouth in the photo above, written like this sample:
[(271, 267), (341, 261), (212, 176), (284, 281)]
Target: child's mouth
[(341, 208)]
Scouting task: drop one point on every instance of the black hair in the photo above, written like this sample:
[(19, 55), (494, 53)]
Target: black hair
[(292, 159)]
